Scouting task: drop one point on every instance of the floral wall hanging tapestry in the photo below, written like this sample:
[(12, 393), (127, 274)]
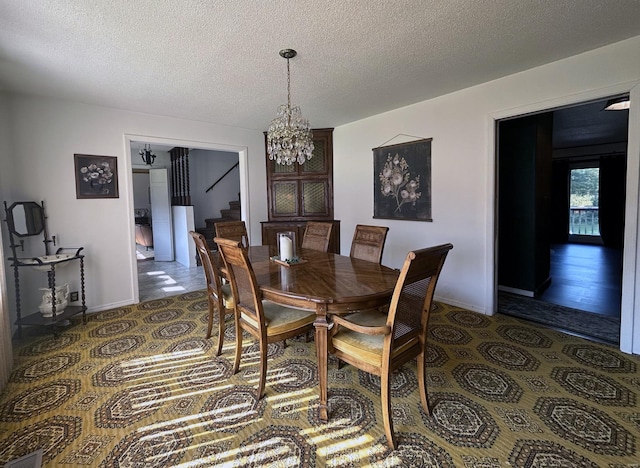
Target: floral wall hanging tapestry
[(402, 181), (96, 176)]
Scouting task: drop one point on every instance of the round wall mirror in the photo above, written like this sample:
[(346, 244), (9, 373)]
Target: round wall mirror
[(25, 219)]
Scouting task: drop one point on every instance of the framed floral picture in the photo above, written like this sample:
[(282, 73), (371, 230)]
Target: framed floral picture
[(96, 176), (402, 181)]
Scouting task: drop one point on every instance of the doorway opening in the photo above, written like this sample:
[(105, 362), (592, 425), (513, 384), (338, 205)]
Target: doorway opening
[(177, 273), (142, 215), (561, 188)]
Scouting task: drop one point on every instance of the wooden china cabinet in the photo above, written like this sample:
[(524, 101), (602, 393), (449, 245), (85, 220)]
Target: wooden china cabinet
[(300, 193)]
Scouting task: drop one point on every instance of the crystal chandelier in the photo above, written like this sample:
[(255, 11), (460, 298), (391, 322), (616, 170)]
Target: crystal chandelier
[(289, 137), (147, 155)]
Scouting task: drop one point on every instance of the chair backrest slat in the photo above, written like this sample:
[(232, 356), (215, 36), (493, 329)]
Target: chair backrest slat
[(234, 230), (248, 298), (211, 269), (317, 235), (413, 296), (368, 242)]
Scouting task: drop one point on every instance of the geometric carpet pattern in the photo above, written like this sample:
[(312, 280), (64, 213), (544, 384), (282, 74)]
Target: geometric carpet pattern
[(139, 386)]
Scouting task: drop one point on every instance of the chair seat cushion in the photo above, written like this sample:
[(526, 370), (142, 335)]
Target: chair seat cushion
[(281, 319), (227, 296), (367, 348)]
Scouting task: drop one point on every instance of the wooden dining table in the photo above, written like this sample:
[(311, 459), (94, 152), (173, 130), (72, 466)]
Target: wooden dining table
[(327, 283)]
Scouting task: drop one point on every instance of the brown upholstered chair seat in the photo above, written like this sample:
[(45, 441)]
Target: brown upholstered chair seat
[(367, 347), (281, 318)]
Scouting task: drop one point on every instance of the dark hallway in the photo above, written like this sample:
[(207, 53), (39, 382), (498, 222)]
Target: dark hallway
[(545, 273), (583, 297)]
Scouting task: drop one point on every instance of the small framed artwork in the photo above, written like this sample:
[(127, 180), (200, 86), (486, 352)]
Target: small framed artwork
[(402, 181), (96, 176)]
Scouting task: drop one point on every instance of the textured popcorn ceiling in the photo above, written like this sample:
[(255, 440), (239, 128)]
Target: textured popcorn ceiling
[(217, 60)]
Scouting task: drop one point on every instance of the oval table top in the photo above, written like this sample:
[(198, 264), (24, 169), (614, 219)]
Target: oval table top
[(342, 283)]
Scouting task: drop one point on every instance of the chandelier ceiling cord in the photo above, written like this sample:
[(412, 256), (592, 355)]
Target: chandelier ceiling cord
[(289, 138)]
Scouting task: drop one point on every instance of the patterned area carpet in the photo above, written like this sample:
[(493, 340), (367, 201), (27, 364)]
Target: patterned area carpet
[(599, 327), (139, 387)]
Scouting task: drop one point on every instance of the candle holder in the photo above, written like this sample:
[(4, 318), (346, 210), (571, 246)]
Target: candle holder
[(287, 245)]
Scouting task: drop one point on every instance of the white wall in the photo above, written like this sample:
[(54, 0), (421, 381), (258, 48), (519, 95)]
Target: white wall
[(461, 125), (6, 150), (205, 168), (141, 192), (46, 134)]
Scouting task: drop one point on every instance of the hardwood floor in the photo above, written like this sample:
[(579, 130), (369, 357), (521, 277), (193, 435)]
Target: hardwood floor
[(586, 277), (584, 296)]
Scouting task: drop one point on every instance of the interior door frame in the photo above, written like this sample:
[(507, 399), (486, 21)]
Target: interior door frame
[(126, 189), (6, 330), (630, 306)]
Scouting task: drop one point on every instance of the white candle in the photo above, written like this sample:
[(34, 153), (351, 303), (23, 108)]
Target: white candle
[(286, 248)]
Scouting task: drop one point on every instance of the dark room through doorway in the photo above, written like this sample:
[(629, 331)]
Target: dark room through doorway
[(560, 217)]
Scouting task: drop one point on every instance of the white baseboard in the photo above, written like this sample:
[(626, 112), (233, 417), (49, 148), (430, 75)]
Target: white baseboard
[(113, 305), (460, 304)]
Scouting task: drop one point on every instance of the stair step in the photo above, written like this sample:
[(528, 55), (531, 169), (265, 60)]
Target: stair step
[(231, 214), (208, 234), (210, 222)]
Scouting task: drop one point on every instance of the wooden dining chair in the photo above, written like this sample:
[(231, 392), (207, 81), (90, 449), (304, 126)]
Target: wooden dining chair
[(316, 236), (368, 242), (219, 295), (380, 344), (266, 321), (234, 230)]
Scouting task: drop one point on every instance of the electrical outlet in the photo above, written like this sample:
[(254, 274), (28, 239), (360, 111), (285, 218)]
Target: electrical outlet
[(73, 296)]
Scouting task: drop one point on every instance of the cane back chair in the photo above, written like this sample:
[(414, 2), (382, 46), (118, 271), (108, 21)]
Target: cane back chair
[(266, 321), (219, 295), (380, 344)]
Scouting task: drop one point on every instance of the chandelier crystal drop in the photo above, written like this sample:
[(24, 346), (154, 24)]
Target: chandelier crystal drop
[(289, 138)]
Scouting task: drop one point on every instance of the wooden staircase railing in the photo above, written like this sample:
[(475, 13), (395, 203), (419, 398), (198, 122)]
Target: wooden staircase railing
[(222, 176)]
